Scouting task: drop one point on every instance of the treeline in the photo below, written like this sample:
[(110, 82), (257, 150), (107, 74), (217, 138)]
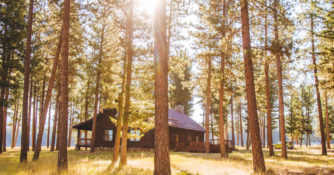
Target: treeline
[(249, 63)]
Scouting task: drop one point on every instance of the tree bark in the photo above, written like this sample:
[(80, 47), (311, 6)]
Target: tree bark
[(237, 125), (232, 121), (3, 87), (207, 106), (24, 145), (327, 122), (49, 120), (5, 121), (129, 49), (315, 70), (17, 132), (223, 152), (14, 124), (240, 124), (264, 131), (58, 125), (280, 84), (266, 74), (33, 132), (29, 115), (63, 115), (97, 91), (129, 21), (161, 135), (258, 160), (55, 121), (86, 110), (45, 105), (119, 118)]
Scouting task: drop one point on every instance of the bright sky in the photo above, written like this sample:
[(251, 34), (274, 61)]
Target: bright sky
[(148, 5)]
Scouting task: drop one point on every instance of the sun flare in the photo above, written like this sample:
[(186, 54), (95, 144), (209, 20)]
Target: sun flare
[(147, 5)]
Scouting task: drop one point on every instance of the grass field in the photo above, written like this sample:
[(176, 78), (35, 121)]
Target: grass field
[(300, 161)]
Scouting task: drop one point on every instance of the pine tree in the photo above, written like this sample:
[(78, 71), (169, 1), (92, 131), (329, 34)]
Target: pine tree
[(315, 70), (63, 114), (258, 160), (24, 145), (161, 145)]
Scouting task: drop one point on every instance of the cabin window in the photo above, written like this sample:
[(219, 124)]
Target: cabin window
[(89, 134), (135, 135), (108, 135)]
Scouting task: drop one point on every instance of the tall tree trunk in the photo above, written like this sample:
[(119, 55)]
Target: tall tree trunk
[(24, 145), (327, 122), (207, 106), (97, 91), (13, 132), (34, 122), (41, 102), (63, 115), (280, 84), (58, 125), (266, 74), (240, 124), (258, 160), (3, 87), (161, 135), (5, 121), (264, 131), (237, 125), (86, 109), (212, 131), (14, 124), (49, 120), (120, 115), (232, 121), (315, 70), (129, 31), (45, 105), (17, 132), (55, 121), (70, 130), (29, 115)]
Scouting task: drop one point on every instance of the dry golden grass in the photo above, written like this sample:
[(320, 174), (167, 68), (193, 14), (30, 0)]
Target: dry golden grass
[(301, 161)]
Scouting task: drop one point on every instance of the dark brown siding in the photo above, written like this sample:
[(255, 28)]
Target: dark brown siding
[(147, 141), (183, 135), (104, 123)]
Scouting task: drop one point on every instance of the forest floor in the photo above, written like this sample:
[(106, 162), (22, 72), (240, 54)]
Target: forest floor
[(300, 161)]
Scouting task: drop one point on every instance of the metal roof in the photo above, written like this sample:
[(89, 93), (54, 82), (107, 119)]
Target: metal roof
[(180, 120)]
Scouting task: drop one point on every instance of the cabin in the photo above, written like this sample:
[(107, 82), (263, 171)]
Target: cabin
[(184, 133)]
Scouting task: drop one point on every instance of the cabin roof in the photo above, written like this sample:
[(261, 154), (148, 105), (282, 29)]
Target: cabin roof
[(87, 125), (175, 119), (180, 120)]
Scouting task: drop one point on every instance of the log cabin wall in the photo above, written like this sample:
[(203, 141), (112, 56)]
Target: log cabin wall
[(183, 135), (104, 123)]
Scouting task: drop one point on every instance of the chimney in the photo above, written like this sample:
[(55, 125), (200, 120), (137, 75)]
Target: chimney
[(179, 108)]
